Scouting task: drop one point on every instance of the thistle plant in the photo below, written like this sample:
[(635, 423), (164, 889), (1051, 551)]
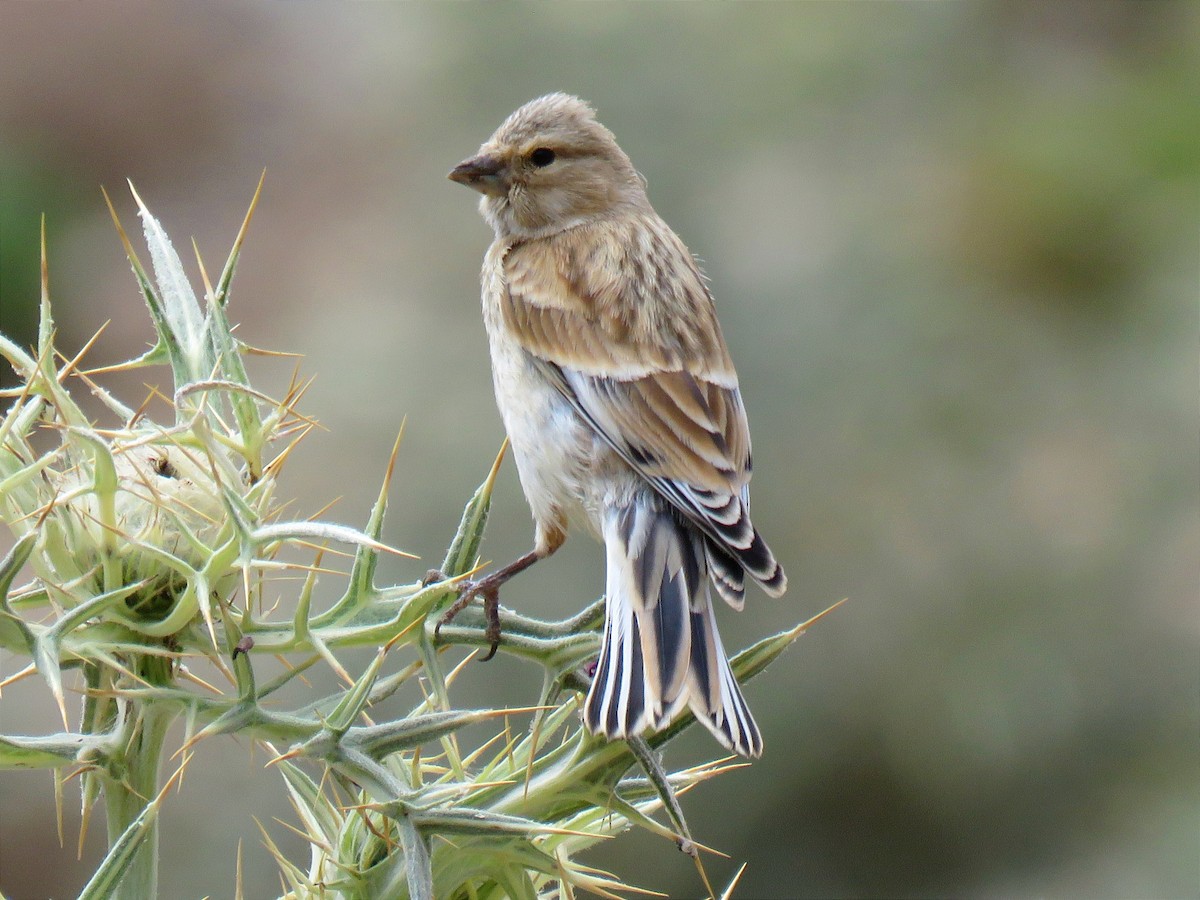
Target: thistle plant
[(144, 551)]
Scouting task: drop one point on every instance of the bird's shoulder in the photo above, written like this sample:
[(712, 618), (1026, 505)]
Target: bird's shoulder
[(621, 295)]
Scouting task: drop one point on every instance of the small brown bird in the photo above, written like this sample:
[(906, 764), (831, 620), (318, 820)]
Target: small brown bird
[(623, 408)]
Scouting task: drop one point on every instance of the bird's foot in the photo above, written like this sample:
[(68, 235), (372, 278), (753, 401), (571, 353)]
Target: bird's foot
[(489, 590)]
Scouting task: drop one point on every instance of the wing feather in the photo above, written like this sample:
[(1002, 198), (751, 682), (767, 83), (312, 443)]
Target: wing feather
[(636, 348)]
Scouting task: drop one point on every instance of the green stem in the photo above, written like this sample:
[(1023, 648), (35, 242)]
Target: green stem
[(133, 781)]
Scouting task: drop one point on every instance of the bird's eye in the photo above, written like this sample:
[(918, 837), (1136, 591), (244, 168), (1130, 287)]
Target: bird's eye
[(542, 157)]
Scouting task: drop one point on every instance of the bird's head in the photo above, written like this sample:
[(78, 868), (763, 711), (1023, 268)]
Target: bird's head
[(550, 166)]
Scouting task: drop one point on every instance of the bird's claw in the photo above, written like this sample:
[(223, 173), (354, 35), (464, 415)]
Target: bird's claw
[(468, 590)]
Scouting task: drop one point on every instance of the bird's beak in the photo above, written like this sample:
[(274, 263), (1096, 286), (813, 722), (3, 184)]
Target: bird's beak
[(482, 173)]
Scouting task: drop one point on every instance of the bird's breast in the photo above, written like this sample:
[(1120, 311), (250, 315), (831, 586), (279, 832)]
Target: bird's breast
[(556, 452)]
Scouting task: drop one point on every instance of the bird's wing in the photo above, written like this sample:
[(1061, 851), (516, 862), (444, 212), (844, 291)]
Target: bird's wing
[(618, 317)]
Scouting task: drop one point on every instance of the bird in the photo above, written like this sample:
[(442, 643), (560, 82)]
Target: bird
[(622, 406)]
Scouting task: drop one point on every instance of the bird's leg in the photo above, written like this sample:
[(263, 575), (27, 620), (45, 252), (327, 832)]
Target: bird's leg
[(489, 588), (550, 537)]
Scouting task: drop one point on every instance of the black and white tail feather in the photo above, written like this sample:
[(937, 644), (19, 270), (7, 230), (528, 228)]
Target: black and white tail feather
[(661, 649)]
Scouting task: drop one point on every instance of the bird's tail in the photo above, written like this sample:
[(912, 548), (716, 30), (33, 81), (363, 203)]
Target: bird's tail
[(661, 649)]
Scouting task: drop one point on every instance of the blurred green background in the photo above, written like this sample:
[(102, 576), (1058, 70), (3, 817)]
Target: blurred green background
[(956, 252)]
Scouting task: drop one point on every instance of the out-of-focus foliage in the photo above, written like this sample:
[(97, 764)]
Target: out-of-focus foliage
[(954, 249), (27, 191)]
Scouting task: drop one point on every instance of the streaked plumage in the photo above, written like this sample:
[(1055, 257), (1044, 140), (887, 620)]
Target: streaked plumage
[(622, 405)]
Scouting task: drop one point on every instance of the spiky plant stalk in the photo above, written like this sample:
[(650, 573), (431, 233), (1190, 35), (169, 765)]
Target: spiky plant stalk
[(151, 546)]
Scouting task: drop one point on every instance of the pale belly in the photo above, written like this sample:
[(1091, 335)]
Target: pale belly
[(557, 453), (569, 474)]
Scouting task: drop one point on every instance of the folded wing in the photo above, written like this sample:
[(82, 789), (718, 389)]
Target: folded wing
[(654, 379)]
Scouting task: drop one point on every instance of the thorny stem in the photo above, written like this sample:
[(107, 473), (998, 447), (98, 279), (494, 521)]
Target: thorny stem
[(131, 780)]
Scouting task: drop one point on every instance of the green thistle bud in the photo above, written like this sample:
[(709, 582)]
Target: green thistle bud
[(150, 514)]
